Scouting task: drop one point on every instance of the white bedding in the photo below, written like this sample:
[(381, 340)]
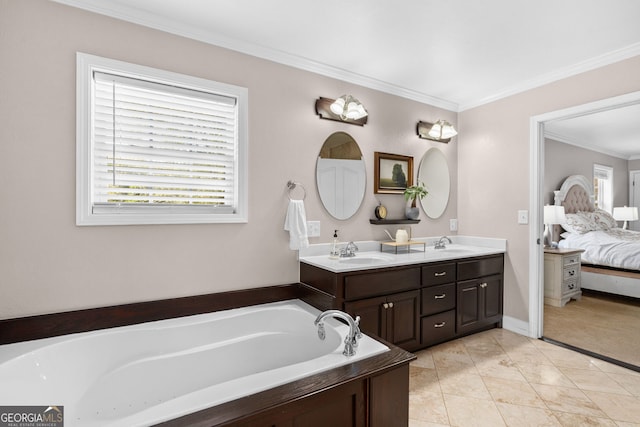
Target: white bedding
[(614, 247)]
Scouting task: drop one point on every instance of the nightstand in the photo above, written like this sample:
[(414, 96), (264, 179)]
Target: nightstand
[(561, 276)]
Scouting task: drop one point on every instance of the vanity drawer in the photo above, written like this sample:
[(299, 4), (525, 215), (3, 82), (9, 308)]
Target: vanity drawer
[(480, 267), (438, 328), (436, 299), (367, 285), (436, 274)]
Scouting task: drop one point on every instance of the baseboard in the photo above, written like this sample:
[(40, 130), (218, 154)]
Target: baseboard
[(516, 325)]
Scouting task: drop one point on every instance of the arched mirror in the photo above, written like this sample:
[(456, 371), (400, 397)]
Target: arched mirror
[(340, 175), (434, 172)]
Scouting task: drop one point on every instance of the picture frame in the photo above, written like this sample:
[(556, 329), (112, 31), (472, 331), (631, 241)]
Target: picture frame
[(393, 173)]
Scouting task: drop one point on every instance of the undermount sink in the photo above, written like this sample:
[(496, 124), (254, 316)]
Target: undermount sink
[(454, 250), (365, 259)]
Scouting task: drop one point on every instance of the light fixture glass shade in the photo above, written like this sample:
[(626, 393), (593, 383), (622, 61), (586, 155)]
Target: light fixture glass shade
[(348, 107), (337, 107), (442, 129), (554, 215)]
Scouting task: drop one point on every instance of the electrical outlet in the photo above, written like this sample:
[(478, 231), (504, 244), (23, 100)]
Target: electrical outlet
[(313, 228), (523, 217), (453, 225)]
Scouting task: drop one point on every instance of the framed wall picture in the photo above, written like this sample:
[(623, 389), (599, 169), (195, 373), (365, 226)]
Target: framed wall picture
[(393, 173)]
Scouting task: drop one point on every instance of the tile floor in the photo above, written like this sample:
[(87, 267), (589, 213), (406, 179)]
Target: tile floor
[(499, 378)]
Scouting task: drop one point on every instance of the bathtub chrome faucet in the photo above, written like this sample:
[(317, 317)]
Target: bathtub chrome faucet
[(351, 340)]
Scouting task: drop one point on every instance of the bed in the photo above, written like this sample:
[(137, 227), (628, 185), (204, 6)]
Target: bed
[(611, 257)]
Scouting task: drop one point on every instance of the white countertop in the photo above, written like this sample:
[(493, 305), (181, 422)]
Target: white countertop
[(369, 255)]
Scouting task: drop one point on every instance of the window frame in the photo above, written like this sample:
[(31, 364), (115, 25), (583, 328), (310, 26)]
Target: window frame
[(603, 197), (86, 65)]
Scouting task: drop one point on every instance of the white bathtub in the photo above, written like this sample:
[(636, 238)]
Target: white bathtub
[(151, 372)]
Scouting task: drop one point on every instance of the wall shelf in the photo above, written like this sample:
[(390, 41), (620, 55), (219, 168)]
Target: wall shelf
[(394, 221)]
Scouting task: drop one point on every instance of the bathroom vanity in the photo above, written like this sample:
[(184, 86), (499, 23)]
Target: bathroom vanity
[(412, 300)]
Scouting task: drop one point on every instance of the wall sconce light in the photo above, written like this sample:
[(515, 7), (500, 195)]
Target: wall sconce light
[(625, 214), (345, 109), (552, 215), (441, 131)]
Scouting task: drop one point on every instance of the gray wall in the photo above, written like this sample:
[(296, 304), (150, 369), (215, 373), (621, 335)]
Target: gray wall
[(562, 160)]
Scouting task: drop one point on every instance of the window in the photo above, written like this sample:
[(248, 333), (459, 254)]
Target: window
[(155, 147), (603, 187)]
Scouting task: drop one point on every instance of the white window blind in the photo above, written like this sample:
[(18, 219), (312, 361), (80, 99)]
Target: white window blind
[(157, 144), (156, 147)]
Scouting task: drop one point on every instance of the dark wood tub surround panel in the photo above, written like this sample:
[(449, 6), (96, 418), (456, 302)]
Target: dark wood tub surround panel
[(71, 322), (372, 392)]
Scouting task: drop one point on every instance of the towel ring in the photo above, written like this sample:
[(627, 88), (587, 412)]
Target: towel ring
[(291, 185)]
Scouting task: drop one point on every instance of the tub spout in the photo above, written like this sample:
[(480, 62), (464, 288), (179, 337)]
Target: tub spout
[(351, 340)]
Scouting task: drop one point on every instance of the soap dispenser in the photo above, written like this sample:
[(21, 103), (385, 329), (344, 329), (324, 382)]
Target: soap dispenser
[(335, 253)]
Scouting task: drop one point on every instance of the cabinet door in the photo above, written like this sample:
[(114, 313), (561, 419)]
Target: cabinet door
[(403, 327), (492, 299), (394, 318), (468, 306), (373, 315), (479, 303)]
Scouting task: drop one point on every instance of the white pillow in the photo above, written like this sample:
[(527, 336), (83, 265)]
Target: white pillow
[(579, 224), (604, 219)]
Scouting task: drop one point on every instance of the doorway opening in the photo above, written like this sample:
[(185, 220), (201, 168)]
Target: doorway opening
[(537, 142)]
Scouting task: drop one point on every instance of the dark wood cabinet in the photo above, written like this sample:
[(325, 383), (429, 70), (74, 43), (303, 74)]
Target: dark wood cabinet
[(479, 303), (393, 318), (438, 303), (418, 305)]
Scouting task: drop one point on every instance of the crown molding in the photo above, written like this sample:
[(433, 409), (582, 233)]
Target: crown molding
[(562, 73), (567, 140), (130, 14)]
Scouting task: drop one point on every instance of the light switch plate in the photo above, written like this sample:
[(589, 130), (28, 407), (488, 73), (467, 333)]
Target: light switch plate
[(523, 217), (453, 224), (313, 228)]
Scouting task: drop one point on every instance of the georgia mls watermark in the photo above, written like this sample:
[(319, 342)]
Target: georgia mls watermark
[(31, 416)]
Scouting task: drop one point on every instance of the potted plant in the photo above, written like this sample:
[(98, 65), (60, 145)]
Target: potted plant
[(411, 194)]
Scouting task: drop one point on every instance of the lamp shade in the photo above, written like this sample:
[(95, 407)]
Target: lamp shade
[(625, 213), (554, 215)]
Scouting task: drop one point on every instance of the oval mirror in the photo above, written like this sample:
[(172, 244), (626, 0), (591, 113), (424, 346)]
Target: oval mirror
[(434, 172), (340, 175)]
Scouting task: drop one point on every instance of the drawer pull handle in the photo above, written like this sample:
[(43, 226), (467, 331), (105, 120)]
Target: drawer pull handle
[(440, 325), (444, 273), (390, 305), (440, 296), (483, 285), (385, 305)]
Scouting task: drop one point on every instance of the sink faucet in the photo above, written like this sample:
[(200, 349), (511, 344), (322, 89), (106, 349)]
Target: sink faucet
[(440, 243), (349, 250), (351, 340)]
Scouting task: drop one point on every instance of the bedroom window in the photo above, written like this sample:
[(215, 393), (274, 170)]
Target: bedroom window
[(155, 147), (603, 187)]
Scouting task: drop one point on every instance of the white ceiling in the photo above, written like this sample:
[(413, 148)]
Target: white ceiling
[(454, 54)]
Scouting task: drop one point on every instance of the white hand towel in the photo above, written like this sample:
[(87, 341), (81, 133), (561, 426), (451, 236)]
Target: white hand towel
[(296, 224)]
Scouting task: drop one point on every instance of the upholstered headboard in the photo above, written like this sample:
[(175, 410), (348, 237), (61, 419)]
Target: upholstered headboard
[(575, 194)]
